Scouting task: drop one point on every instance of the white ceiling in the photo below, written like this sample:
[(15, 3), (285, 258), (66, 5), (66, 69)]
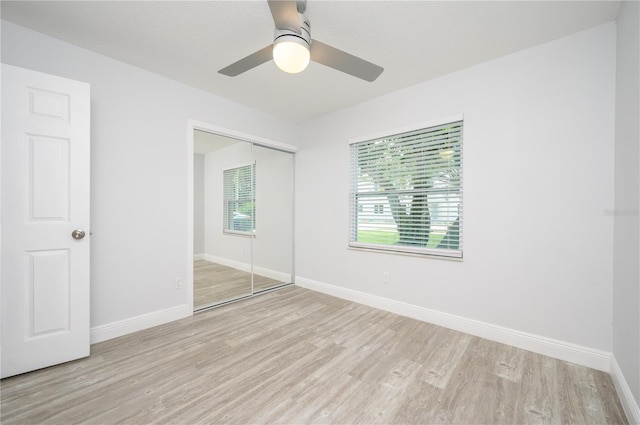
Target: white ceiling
[(414, 41)]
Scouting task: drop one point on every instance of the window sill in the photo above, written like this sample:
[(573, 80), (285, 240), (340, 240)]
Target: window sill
[(390, 250), (238, 233)]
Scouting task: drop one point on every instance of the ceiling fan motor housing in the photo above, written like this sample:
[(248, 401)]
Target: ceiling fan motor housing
[(305, 31)]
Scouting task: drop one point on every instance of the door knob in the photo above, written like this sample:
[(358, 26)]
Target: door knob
[(77, 234)]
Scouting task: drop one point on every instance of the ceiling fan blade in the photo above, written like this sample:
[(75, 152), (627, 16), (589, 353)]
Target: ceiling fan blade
[(285, 15), (343, 61), (249, 62)]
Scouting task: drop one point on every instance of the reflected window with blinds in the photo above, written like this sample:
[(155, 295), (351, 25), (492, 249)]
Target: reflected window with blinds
[(240, 200), (406, 192)]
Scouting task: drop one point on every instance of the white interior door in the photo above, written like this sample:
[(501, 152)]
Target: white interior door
[(45, 198)]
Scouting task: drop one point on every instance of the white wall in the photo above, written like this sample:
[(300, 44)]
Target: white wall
[(538, 180), (626, 272), (139, 169), (198, 204), (272, 247)]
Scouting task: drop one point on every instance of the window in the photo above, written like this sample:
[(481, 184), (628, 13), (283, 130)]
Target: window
[(240, 200), (406, 192)]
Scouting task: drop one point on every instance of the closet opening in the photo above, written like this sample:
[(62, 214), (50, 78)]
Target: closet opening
[(242, 211)]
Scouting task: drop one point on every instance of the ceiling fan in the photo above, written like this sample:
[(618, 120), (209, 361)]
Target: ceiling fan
[(293, 47)]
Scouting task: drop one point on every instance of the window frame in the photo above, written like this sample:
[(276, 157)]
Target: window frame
[(354, 207)]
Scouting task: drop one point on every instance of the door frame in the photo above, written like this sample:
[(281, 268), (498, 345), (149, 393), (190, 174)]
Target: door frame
[(193, 125)]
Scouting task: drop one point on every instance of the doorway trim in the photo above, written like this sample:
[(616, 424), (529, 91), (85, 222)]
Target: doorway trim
[(193, 125)]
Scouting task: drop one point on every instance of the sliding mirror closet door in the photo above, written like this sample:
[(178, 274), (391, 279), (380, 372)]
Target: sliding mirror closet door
[(224, 219), (273, 242)]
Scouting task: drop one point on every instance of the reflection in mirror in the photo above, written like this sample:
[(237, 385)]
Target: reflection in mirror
[(222, 219), (272, 246), (243, 219)]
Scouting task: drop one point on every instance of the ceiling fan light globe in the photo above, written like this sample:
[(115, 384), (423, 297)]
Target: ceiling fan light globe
[(291, 54)]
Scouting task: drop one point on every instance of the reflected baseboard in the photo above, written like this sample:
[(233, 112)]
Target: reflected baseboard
[(246, 267), (273, 274)]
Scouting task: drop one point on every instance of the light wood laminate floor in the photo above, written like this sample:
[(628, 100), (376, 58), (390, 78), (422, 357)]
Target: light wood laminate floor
[(297, 356), (214, 283)]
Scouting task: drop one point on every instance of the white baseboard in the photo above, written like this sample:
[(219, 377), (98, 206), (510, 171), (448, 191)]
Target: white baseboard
[(272, 274), (629, 404), (198, 257), (596, 359), (246, 267), (138, 323)]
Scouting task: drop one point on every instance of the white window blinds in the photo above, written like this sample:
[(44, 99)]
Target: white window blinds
[(406, 192), (239, 199)]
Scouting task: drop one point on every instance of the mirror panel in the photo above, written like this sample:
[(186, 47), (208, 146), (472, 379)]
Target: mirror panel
[(273, 244), (223, 216)]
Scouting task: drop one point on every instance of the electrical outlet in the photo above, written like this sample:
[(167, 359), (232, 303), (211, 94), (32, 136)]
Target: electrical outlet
[(386, 278), (178, 283)]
